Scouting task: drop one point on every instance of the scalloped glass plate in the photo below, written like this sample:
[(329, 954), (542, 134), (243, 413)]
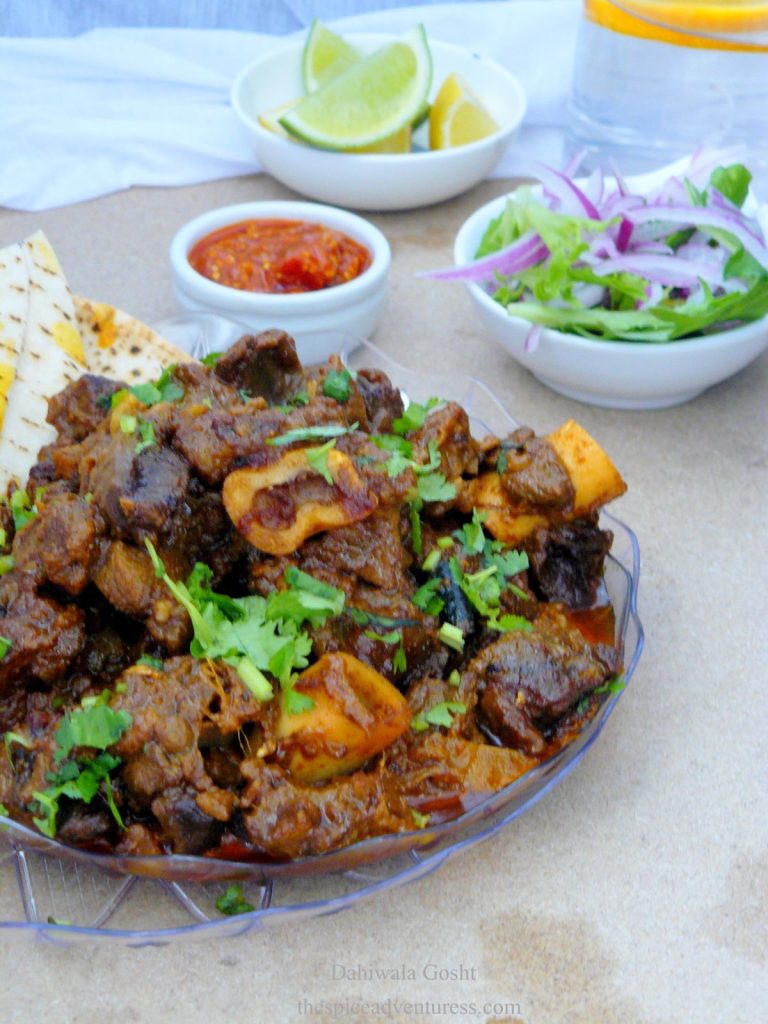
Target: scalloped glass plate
[(68, 896)]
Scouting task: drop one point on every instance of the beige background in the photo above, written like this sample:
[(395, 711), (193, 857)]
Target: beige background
[(636, 891)]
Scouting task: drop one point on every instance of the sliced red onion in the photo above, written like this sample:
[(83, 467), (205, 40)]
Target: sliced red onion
[(526, 252), (621, 185), (570, 197), (668, 270), (594, 188), (532, 338), (696, 216), (574, 163), (625, 234)]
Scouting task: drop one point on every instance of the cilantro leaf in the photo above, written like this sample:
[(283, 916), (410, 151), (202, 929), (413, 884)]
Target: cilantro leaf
[(99, 726), (311, 433), (147, 435), (732, 182), (434, 487), (7, 562), (414, 416), (440, 714), (336, 385), (5, 646), (306, 599), (471, 535), (426, 597), (296, 703), (232, 901), (23, 509), (15, 737), (150, 662), (612, 686), (212, 358), (318, 459)]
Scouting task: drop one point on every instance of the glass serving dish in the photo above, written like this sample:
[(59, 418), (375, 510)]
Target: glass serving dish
[(68, 895)]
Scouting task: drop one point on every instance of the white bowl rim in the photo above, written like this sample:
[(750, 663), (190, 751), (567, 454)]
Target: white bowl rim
[(396, 159), (191, 281), (663, 350)]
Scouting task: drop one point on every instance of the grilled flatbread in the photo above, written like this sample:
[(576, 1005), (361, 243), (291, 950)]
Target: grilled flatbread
[(14, 301), (119, 346), (51, 356)]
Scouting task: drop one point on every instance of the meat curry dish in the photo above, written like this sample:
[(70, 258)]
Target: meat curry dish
[(257, 610)]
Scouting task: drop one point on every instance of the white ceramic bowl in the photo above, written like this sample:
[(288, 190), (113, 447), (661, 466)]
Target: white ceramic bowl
[(616, 374), (372, 181), (351, 308)]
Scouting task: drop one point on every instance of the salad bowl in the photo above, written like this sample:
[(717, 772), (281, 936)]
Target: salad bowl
[(604, 371)]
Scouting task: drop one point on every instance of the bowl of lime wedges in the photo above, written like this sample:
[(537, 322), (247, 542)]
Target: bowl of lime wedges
[(377, 122)]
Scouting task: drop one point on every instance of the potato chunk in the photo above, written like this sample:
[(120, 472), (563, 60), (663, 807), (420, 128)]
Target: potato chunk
[(595, 481), (276, 507), (357, 713)]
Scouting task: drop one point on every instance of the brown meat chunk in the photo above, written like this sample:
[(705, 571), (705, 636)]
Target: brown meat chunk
[(448, 428), (566, 561), (372, 550), (528, 679), (44, 636), (263, 364), (284, 819), (81, 406), (138, 493), (175, 711), (61, 545), (533, 475), (383, 401)]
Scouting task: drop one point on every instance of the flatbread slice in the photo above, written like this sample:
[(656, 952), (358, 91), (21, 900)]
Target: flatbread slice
[(51, 357), (119, 346), (14, 301)]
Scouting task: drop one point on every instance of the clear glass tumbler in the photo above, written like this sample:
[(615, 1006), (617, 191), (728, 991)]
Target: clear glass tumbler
[(655, 79)]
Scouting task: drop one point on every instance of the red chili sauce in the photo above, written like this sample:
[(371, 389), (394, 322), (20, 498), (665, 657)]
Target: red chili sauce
[(279, 256)]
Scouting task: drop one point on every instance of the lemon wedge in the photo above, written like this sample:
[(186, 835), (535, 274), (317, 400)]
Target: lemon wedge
[(457, 116)]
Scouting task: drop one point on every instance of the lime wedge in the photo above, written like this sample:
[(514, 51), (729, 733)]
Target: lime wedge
[(376, 97), (325, 57)]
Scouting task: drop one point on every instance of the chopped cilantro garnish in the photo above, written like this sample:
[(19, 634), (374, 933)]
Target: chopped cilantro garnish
[(244, 395), (7, 562), (296, 703), (444, 542), (426, 597), (15, 737), (430, 562), (336, 385), (232, 901), (23, 509), (5, 646), (253, 634), (300, 398), (312, 433), (211, 359), (451, 636), (434, 487), (150, 662), (318, 459), (414, 509), (612, 686), (419, 820), (3, 537), (306, 599), (95, 726), (128, 424), (394, 637), (162, 390), (455, 678), (414, 416), (147, 435), (4, 811), (440, 714), (363, 618), (471, 536), (208, 402)]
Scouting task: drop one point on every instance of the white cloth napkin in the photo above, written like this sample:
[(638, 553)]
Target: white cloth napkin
[(83, 117)]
